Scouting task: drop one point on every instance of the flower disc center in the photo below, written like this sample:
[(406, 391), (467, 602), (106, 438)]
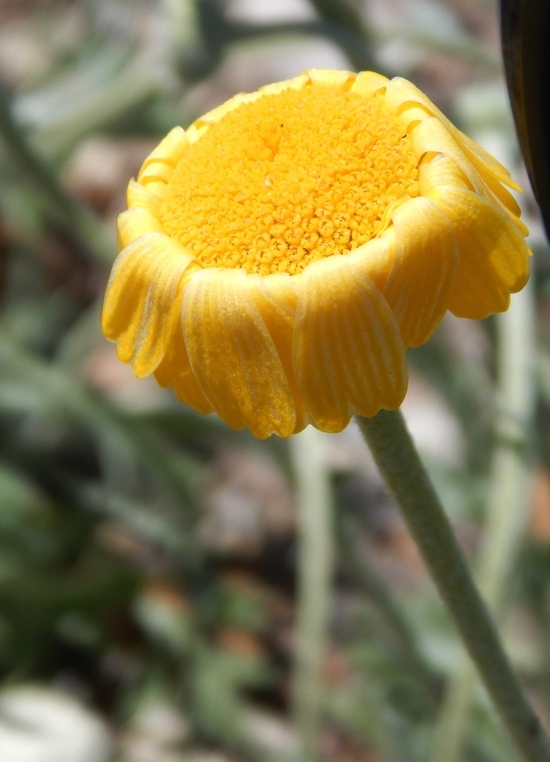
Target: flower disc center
[(288, 179)]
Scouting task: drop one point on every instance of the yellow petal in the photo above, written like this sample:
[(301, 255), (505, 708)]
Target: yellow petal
[(174, 371), (402, 97), (141, 300), (158, 167), (375, 258), (439, 172), (275, 297), (232, 355), (349, 356), (494, 258), (342, 80), (402, 94), (423, 275), (194, 133), (497, 192), (295, 83), (157, 171), (140, 197), (135, 222), (215, 114), (492, 173), (481, 159), (368, 82), (431, 137), (169, 150)]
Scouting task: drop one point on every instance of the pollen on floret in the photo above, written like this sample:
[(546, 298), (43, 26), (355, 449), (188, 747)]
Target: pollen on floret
[(289, 178)]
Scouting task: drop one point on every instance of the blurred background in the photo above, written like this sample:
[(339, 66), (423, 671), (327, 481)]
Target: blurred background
[(149, 556)]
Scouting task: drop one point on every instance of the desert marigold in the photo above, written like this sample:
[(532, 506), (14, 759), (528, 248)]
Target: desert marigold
[(279, 256)]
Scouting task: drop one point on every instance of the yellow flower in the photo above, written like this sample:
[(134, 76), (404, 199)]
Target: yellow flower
[(279, 256)]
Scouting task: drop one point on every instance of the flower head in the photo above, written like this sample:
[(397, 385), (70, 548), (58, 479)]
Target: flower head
[(279, 256)]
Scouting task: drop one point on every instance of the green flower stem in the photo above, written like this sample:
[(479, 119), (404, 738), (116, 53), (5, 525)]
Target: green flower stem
[(400, 465), (508, 498), (314, 585)]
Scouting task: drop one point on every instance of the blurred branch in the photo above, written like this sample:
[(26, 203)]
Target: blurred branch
[(465, 385), (342, 26), (314, 585), (464, 49), (346, 13), (351, 43)]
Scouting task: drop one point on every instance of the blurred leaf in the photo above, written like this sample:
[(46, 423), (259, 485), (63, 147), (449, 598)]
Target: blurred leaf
[(156, 527), (33, 606), (466, 387), (242, 608), (166, 620), (85, 227), (61, 396), (429, 25), (26, 518), (88, 100), (347, 13), (218, 678)]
